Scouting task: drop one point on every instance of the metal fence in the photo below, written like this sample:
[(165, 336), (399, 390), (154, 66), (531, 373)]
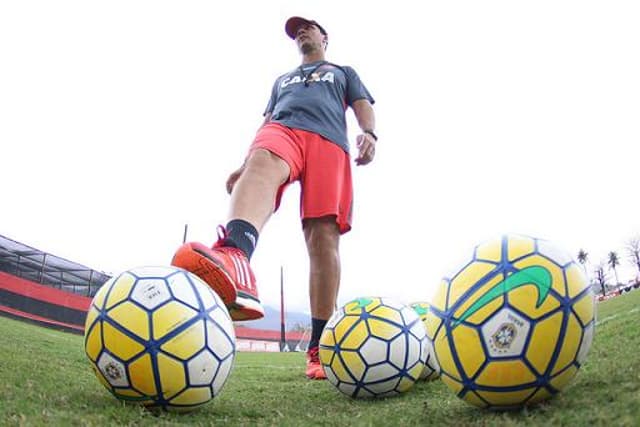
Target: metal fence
[(34, 265)]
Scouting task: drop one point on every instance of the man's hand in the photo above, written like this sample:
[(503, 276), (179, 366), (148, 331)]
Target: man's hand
[(366, 149), (233, 177)]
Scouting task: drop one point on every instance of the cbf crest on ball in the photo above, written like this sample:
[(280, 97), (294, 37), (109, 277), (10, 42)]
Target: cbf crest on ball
[(161, 337), (513, 325), (373, 347)]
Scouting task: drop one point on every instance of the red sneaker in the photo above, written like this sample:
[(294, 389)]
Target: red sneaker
[(227, 271), (314, 367)]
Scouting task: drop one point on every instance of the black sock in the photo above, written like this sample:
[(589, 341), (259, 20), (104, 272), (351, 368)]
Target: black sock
[(317, 326), (242, 235)]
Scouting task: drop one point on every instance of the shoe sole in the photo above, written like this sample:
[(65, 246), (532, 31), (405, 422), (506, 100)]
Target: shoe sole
[(246, 307)]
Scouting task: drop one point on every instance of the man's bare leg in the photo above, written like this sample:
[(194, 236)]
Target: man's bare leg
[(254, 192), (323, 238)]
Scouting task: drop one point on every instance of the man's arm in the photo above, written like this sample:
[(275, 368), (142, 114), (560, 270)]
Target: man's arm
[(366, 141)]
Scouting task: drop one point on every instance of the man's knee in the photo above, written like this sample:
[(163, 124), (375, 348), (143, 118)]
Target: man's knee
[(322, 236), (267, 166)]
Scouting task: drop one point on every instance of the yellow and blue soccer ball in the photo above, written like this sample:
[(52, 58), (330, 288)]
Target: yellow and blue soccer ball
[(159, 336), (373, 347), (431, 369), (513, 325)]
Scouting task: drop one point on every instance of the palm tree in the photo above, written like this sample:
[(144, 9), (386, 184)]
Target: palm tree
[(582, 258), (613, 262)]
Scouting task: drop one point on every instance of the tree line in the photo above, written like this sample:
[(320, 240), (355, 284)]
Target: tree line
[(603, 267)]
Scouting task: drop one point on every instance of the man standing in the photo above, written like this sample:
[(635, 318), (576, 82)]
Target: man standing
[(303, 138)]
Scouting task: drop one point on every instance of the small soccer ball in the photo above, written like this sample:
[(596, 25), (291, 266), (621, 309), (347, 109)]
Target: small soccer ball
[(431, 369), (373, 347), (159, 336), (513, 325)]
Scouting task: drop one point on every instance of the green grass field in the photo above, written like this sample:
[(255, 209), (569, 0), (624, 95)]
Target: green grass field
[(45, 379)]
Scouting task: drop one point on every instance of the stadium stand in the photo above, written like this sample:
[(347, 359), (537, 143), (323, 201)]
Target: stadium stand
[(51, 291), (44, 288), (37, 266)]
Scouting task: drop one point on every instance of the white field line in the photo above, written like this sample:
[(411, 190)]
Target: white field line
[(243, 366), (43, 330), (613, 316), (67, 336)]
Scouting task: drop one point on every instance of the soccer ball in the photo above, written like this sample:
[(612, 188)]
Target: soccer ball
[(373, 347), (159, 336), (431, 369), (514, 324)]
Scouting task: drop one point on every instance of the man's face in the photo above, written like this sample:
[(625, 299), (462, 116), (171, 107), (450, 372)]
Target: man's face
[(309, 38)]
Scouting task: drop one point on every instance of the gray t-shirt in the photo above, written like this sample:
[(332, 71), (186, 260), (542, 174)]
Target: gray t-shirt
[(314, 97)]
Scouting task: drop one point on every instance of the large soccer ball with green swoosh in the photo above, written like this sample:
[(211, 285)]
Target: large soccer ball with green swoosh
[(513, 325)]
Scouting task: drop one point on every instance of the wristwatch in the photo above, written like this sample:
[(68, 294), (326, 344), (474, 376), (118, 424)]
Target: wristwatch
[(370, 132)]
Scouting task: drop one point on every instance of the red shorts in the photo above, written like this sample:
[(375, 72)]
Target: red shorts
[(322, 167)]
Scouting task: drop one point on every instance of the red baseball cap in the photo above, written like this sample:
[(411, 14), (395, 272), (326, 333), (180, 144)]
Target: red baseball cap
[(293, 23)]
